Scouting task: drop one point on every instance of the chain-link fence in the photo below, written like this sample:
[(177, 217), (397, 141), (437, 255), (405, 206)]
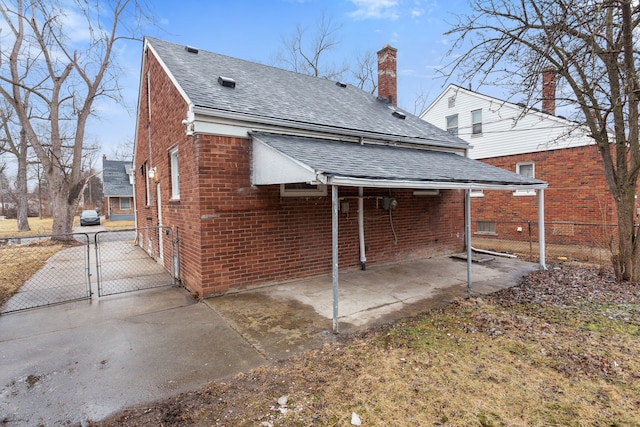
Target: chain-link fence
[(570, 240), (135, 259), (43, 270)]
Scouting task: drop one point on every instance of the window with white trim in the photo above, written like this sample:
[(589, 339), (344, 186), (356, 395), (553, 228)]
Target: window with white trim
[(476, 193), (476, 122), (175, 173), (452, 124), (147, 191), (301, 189), (125, 203), (525, 169)]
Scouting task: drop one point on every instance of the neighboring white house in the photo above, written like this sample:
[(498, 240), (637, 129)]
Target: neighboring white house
[(538, 144), (499, 128)]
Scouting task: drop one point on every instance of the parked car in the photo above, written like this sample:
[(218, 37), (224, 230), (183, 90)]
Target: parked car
[(89, 217)]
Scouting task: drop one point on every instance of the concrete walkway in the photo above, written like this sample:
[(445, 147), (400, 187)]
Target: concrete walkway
[(83, 361)]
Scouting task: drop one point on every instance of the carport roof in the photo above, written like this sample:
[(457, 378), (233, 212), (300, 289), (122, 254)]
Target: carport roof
[(285, 159)]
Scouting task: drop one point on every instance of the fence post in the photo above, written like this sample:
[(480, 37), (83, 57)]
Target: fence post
[(541, 243)]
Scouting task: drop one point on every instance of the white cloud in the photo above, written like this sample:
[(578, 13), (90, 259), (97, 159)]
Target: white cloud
[(375, 9), (416, 13)]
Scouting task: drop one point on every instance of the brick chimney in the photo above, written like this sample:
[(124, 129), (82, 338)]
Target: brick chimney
[(549, 90), (387, 85)]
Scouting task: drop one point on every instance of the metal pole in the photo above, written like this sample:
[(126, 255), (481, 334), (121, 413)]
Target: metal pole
[(363, 256), (541, 242), (334, 253), (467, 234)]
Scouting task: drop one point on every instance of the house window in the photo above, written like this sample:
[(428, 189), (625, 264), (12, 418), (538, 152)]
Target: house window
[(301, 189), (125, 203), (147, 191), (525, 169), (452, 101), (486, 227), (175, 174), (476, 193), (452, 124), (476, 122)]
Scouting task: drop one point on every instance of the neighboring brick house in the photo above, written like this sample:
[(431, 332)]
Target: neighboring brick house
[(535, 143), (271, 175), (117, 182)]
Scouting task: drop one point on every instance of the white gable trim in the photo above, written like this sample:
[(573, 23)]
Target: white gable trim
[(270, 166), (167, 72)]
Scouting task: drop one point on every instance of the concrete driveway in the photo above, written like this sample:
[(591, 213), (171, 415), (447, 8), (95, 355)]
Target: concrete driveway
[(86, 360)]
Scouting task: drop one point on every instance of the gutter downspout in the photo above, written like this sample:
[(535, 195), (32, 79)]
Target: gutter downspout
[(363, 255), (334, 253), (467, 234)]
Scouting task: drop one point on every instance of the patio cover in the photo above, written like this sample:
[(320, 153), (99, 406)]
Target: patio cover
[(281, 159)]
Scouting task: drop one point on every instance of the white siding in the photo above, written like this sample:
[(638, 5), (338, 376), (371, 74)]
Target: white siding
[(504, 130)]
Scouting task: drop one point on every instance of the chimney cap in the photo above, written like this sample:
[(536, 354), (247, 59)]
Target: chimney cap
[(387, 47)]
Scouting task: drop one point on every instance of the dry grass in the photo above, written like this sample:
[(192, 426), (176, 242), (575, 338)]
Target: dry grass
[(118, 225), (39, 227), (561, 349), (19, 262), (43, 227)]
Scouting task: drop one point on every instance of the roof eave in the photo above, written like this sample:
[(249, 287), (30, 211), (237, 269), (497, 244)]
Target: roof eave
[(314, 127), (427, 185)]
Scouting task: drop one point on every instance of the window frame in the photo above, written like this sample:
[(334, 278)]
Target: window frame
[(453, 130), (533, 175), (123, 208), (491, 228), (174, 168), (147, 187), (317, 190), (476, 125)]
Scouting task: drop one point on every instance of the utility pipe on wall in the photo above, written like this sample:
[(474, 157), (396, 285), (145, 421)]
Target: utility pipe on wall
[(363, 255)]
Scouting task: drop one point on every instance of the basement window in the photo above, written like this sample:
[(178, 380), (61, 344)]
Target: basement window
[(485, 227), (301, 189)]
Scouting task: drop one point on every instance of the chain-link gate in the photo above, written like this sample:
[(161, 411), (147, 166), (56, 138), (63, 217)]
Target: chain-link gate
[(44, 270), (135, 259)]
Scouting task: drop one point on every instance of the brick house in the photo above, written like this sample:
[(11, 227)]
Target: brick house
[(535, 143), (117, 182), (270, 175)]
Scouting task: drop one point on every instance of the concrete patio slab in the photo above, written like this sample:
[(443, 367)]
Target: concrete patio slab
[(82, 361)]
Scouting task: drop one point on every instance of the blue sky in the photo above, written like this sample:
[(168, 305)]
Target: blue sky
[(254, 30)]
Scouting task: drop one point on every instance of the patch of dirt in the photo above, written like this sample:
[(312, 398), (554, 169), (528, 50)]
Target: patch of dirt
[(558, 349), (32, 380)]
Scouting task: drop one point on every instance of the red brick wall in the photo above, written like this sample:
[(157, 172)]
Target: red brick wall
[(577, 193), (234, 235)]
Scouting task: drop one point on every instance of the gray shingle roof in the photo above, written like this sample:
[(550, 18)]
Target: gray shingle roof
[(267, 93), (382, 162), (115, 176)]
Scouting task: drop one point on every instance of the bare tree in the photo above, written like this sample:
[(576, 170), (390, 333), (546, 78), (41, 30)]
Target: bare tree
[(306, 51), (365, 72), (593, 46), (124, 151), (13, 140), (53, 79)]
